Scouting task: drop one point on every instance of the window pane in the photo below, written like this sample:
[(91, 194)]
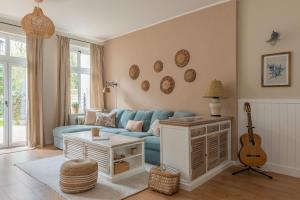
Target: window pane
[(19, 104), (17, 49), (2, 46), (85, 91), (85, 60), (73, 59), (75, 88), (1, 104)]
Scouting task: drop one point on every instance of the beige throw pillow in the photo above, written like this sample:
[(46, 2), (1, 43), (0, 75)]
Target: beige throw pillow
[(90, 117), (154, 128), (136, 126), (104, 119)]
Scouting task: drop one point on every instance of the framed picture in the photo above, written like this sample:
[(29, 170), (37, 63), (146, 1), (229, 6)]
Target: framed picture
[(276, 70)]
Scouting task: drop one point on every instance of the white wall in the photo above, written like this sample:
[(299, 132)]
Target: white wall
[(277, 122)]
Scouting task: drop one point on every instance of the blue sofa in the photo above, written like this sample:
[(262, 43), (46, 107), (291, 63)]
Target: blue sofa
[(152, 143)]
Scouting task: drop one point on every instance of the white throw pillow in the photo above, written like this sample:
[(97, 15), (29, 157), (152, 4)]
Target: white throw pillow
[(154, 128)]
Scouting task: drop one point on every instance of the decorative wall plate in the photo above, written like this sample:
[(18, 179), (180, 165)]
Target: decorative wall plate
[(134, 72), (145, 85), (190, 75), (167, 84), (182, 58), (158, 66)]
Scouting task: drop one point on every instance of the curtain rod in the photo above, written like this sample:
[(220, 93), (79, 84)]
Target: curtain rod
[(56, 35), (76, 39)]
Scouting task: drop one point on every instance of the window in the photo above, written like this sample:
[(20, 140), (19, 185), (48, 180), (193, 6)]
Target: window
[(80, 77)]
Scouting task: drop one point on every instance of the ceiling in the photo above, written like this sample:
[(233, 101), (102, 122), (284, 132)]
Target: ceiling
[(103, 19)]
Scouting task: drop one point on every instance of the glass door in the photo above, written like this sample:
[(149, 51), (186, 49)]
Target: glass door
[(2, 107), (18, 105)]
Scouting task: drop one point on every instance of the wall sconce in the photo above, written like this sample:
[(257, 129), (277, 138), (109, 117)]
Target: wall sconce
[(274, 38), (106, 89), (108, 85)]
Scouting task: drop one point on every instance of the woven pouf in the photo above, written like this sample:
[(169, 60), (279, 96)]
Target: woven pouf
[(78, 175)]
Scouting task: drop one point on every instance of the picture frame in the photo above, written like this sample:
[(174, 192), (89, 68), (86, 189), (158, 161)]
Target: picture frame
[(276, 70)]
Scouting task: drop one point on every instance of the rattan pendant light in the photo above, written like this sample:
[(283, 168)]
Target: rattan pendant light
[(37, 24)]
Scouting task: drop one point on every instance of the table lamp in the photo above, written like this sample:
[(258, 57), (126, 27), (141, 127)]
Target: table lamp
[(215, 91)]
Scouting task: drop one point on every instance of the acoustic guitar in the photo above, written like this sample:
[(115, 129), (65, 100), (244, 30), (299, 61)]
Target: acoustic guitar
[(251, 153)]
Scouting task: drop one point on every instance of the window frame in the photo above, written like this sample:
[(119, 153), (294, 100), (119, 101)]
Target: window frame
[(79, 70)]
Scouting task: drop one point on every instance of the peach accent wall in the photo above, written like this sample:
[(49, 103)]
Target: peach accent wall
[(210, 37)]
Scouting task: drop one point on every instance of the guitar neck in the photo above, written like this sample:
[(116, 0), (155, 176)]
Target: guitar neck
[(250, 127)]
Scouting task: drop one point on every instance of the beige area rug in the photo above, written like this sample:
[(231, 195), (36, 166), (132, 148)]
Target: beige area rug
[(47, 171)]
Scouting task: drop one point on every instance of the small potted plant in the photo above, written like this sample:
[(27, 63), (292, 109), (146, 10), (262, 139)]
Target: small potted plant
[(75, 107)]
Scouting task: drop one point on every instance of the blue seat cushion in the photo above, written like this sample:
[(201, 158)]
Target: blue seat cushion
[(152, 157), (160, 115), (126, 116), (144, 116), (119, 114), (183, 114), (113, 130), (136, 134), (152, 142), (60, 131)]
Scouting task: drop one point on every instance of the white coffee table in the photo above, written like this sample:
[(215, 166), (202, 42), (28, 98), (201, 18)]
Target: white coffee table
[(82, 146)]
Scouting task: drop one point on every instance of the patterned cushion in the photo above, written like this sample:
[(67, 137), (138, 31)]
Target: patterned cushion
[(144, 116), (133, 125), (108, 120), (127, 115), (154, 128)]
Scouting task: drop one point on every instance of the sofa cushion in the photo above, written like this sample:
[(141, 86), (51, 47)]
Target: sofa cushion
[(152, 142), (183, 114), (107, 120), (133, 125), (127, 115), (119, 112), (60, 131), (136, 134), (152, 157), (144, 116), (160, 115), (113, 130)]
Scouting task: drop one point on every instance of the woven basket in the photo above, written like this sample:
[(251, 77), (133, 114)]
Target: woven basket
[(164, 180)]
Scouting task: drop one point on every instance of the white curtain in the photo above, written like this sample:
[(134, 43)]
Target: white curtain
[(64, 82), (34, 48), (97, 98)]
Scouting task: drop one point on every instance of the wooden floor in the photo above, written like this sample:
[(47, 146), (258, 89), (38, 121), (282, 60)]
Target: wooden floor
[(16, 185)]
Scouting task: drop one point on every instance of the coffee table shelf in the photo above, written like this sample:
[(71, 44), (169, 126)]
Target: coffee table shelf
[(82, 146)]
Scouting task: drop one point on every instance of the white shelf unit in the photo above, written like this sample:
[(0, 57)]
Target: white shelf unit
[(198, 152)]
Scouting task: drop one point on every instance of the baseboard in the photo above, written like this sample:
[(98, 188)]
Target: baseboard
[(279, 169), (190, 186)]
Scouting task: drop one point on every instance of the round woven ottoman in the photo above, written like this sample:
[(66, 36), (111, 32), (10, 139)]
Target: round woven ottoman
[(78, 175)]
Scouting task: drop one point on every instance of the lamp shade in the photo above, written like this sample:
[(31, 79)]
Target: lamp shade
[(37, 24), (215, 89), (106, 90)]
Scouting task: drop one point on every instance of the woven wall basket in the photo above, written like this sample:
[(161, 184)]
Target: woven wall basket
[(134, 72), (190, 75), (158, 66), (182, 58), (145, 85), (167, 84)]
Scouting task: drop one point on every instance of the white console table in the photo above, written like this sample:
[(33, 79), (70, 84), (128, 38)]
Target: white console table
[(199, 147)]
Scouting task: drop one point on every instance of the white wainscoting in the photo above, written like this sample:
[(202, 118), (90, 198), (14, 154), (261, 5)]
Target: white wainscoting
[(278, 123)]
